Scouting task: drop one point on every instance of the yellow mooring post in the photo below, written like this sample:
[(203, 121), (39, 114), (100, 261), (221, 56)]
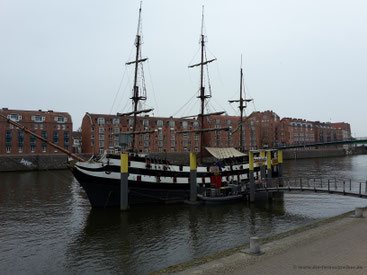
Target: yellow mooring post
[(193, 177), (251, 176), (280, 167), (262, 167), (268, 162), (124, 187)]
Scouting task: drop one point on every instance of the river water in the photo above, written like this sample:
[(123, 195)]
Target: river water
[(47, 226)]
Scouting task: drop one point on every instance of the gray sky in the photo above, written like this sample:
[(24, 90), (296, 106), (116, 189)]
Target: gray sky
[(303, 59)]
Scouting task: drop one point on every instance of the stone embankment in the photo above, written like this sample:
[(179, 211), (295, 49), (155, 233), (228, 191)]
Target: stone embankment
[(33, 162), (334, 246)]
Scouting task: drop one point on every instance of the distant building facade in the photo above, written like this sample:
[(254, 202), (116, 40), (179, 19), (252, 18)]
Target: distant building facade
[(266, 129), (53, 126)]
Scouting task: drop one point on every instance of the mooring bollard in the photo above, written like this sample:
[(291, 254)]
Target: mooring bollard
[(193, 177), (124, 188), (254, 245), (358, 213)]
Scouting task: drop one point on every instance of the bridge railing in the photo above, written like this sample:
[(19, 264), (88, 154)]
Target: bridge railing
[(331, 184)]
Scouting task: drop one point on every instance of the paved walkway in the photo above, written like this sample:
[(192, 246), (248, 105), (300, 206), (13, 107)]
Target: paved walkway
[(338, 247)]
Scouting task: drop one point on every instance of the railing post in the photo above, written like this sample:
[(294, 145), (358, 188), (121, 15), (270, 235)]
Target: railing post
[(350, 184), (321, 183), (328, 185), (365, 188), (124, 188), (193, 178), (336, 187), (344, 187), (360, 188)]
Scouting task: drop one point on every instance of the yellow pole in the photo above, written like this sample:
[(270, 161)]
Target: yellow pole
[(280, 156), (124, 188), (268, 159), (251, 160), (193, 178)]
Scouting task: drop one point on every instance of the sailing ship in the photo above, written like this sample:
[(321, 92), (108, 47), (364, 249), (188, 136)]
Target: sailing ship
[(156, 180)]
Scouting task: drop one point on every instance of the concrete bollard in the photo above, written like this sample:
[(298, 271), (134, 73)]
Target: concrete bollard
[(254, 245), (358, 213)]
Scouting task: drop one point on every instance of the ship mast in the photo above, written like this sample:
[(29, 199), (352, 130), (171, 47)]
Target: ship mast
[(242, 106), (202, 95), (136, 97)]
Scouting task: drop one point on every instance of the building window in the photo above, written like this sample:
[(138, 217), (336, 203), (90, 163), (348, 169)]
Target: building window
[(115, 121), (195, 124), (100, 121), (8, 138), (15, 117), (44, 147), (41, 126), (60, 119), (184, 124), (172, 123), (38, 118), (56, 137), (8, 149), (20, 140), (160, 123), (101, 151), (35, 126), (66, 139), (20, 149), (101, 143), (33, 148), (101, 130), (58, 127)]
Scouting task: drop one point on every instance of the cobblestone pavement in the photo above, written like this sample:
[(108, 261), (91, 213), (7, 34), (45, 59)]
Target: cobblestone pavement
[(338, 247)]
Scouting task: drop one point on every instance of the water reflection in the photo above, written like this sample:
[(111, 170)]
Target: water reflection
[(48, 226)]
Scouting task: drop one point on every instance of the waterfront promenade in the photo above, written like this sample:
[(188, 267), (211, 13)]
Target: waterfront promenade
[(334, 246)]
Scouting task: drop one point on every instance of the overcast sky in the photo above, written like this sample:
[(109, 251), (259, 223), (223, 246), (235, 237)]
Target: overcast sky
[(303, 59)]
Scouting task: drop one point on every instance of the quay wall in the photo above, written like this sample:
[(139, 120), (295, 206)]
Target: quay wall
[(33, 162), (45, 162)]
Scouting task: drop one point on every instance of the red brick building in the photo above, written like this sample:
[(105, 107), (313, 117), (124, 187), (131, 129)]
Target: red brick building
[(54, 126), (343, 131), (100, 132)]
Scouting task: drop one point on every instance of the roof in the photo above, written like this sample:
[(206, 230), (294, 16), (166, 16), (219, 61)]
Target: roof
[(224, 153)]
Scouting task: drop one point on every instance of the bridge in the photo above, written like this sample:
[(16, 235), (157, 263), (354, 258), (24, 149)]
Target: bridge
[(355, 141), (338, 186)]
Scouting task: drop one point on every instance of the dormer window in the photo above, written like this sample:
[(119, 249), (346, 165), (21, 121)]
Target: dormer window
[(15, 117), (38, 118), (60, 119)]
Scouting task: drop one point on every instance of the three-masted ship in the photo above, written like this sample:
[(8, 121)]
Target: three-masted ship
[(156, 180)]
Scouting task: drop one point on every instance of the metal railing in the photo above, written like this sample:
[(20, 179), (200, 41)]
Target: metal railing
[(330, 185)]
